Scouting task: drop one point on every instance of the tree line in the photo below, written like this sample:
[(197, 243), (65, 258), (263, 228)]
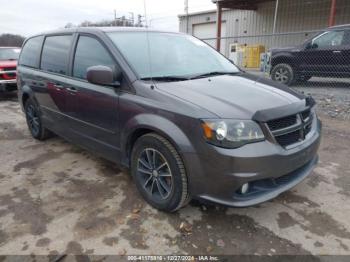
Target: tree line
[(11, 40), (17, 40)]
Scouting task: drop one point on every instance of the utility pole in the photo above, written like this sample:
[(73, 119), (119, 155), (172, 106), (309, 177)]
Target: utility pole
[(115, 17), (186, 12), (132, 18), (145, 12), (275, 18)]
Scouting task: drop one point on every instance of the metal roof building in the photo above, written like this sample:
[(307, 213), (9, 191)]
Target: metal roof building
[(272, 23)]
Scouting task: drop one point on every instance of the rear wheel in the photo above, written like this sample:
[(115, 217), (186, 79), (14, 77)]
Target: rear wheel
[(159, 173), (283, 73), (34, 121)]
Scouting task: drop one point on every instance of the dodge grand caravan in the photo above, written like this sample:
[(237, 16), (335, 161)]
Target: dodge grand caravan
[(185, 120)]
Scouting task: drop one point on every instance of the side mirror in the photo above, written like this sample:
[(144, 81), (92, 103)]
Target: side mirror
[(102, 75), (311, 45)]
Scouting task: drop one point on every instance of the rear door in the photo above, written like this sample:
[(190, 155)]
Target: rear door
[(94, 119), (345, 54), (53, 76)]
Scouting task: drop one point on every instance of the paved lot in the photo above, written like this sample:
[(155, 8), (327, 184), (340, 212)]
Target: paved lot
[(56, 197)]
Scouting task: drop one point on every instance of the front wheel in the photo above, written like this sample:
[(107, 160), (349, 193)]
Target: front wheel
[(283, 73), (159, 173)]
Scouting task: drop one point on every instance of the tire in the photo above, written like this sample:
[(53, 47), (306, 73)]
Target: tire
[(165, 189), (34, 122), (283, 73)]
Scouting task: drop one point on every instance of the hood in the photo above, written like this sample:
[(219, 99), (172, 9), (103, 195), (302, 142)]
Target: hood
[(284, 49), (238, 96), (8, 63)]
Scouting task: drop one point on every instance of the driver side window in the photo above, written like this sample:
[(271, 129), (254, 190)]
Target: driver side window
[(90, 52), (328, 39)]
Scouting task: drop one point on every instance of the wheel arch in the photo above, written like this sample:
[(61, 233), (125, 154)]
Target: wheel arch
[(282, 59), (149, 123), (27, 93)]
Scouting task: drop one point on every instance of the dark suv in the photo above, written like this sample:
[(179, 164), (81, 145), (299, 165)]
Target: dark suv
[(325, 55), (185, 120)]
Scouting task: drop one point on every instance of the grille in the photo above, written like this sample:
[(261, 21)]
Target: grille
[(291, 129), (305, 114), (307, 129), (289, 138), (282, 122), (9, 69)]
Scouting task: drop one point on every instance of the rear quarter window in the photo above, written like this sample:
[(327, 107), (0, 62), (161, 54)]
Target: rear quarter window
[(31, 52), (54, 57)]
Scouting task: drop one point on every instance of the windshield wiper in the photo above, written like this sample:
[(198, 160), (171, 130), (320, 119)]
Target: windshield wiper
[(166, 78), (214, 73)]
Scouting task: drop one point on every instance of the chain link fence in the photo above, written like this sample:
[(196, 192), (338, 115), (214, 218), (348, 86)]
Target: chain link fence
[(310, 58)]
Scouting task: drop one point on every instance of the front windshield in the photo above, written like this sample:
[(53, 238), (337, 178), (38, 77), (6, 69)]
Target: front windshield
[(169, 54), (9, 53)]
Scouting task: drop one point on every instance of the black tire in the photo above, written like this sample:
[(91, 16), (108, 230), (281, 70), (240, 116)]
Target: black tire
[(177, 195), (34, 122), (283, 73)]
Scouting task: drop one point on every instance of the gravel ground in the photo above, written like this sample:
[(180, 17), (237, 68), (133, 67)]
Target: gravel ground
[(57, 198), (335, 102), (331, 94)]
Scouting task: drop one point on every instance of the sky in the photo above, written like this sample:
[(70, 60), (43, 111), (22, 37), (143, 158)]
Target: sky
[(27, 17)]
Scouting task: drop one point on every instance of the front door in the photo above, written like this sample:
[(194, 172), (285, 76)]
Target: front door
[(323, 56), (94, 119)]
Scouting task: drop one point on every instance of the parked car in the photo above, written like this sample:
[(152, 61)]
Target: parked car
[(8, 64), (325, 55), (184, 119)]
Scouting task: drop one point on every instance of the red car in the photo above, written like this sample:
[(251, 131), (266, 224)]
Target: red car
[(8, 65)]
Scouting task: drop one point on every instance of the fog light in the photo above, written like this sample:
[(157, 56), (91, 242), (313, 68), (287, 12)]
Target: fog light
[(245, 188)]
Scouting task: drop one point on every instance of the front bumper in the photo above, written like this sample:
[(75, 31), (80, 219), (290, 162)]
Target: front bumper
[(218, 174), (8, 85)]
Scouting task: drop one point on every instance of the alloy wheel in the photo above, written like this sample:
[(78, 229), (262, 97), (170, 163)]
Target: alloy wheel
[(282, 75), (33, 119), (155, 174)]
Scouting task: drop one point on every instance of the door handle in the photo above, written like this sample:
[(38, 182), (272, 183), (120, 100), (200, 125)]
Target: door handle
[(58, 87), (72, 89)]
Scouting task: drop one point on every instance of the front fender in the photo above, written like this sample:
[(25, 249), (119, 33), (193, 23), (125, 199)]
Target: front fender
[(282, 57), (158, 124)]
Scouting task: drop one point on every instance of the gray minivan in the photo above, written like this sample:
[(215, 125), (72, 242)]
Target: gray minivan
[(184, 119)]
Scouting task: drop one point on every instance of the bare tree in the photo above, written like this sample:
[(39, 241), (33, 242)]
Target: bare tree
[(11, 40)]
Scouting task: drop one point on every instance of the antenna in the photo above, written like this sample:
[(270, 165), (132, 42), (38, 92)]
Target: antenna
[(148, 42), (145, 12)]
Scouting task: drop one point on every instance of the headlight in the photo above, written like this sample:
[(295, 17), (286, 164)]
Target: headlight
[(231, 133)]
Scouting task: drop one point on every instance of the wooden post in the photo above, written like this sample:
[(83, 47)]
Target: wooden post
[(332, 13), (218, 25)]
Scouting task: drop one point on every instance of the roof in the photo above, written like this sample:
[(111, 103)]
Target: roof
[(240, 4), (199, 13), (340, 26), (101, 29)]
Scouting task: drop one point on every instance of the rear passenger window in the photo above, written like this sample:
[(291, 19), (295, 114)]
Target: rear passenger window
[(90, 52), (31, 52), (55, 54)]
